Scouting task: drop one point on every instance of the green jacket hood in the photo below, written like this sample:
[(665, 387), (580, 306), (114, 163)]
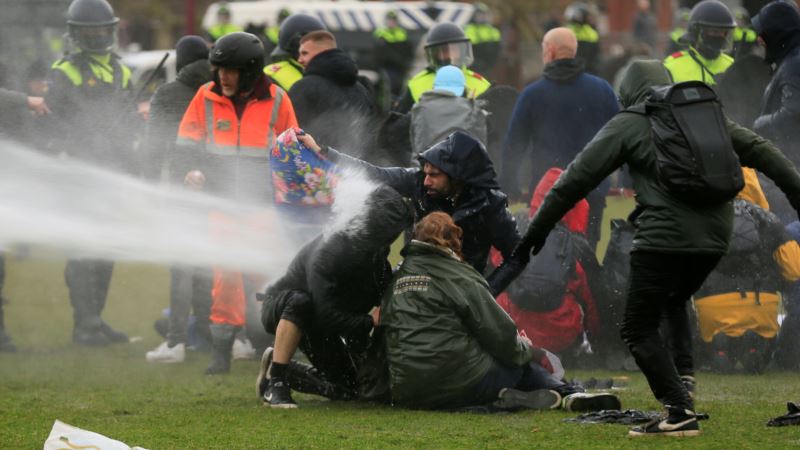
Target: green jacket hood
[(639, 78)]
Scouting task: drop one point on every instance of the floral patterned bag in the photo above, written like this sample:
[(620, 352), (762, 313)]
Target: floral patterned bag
[(300, 176)]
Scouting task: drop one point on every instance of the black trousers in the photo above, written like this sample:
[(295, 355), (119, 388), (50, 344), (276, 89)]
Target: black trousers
[(189, 287), (334, 357), (659, 287), (88, 281)]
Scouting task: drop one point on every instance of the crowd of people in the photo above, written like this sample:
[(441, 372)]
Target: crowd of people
[(469, 319)]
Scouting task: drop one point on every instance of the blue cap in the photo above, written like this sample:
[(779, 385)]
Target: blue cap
[(450, 78)]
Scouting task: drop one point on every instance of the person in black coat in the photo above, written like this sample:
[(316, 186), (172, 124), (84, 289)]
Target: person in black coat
[(322, 303), (329, 101), (457, 177), (778, 26)]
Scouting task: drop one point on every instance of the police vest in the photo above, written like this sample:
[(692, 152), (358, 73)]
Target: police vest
[(481, 33), (284, 73), (744, 35), (423, 82), (273, 33), (584, 33), (676, 34), (97, 75), (391, 35), (688, 65), (221, 29)]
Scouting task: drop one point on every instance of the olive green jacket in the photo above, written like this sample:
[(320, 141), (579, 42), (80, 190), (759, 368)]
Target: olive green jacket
[(663, 223), (443, 329)]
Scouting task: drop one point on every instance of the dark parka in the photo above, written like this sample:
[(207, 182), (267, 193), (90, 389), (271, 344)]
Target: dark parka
[(443, 329), (346, 272), (663, 223), (329, 99), (480, 210), (779, 25), (166, 111)]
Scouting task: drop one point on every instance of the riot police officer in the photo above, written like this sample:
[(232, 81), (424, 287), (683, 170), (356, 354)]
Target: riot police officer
[(93, 116), (485, 39), (710, 34), (445, 44), (284, 70), (578, 18), (393, 51)]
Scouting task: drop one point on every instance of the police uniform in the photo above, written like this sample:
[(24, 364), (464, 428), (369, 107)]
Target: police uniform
[(393, 54), (221, 29), (688, 65), (588, 45), (423, 82), (285, 73), (485, 39)]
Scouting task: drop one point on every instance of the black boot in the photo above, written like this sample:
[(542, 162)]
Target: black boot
[(222, 336), (307, 379), (6, 344)]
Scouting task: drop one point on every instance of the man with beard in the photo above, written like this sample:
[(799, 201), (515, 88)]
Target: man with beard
[(322, 304), (457, 177)]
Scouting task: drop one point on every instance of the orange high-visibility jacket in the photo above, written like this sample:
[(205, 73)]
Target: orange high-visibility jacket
[(234, 153)]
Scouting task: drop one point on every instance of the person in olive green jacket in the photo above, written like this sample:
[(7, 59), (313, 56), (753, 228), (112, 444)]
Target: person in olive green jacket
[(449, 345), (675, 245)]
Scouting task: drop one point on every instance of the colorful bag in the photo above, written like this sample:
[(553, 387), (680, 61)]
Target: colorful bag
[(299, 175)]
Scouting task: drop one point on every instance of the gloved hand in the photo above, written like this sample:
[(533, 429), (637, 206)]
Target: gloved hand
[(532, 242)]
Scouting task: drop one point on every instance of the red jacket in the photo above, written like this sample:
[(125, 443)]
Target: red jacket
[(561, 328)]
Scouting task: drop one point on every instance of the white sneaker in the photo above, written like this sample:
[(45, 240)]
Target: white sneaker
[(243, 349), (164, 354)]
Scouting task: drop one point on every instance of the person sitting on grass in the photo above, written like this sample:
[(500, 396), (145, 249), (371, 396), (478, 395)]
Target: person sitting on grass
[(450, 346)]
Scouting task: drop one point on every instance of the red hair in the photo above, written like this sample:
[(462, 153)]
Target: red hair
[(439, 229)]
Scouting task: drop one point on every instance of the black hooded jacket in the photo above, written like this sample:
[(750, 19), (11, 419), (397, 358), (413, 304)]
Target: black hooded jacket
[(331, 104), (346, 271), (166, 111), (481, 208), (779, 25)]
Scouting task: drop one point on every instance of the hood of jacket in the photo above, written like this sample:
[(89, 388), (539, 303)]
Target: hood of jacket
[(563, 69), (778, 24), (639, 78), (577, 219), (335, 65), (196, 74), (463, 158), (752, 189), (386, 214)]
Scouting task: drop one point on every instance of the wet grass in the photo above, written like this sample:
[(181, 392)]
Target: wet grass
[(113, 391)]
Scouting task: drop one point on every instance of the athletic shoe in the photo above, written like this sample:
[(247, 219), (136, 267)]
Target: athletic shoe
[(243, 349), (690, 384), (513, 399), (166, 354), (279, 395), (792, 417), (262, 382), (681, 425), (583, 401)]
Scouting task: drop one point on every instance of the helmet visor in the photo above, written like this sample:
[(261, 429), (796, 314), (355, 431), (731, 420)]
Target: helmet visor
[(715, 39), (457, 54), (98, 39)]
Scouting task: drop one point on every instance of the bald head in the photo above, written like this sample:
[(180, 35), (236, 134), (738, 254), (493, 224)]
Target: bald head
[(559, 43)]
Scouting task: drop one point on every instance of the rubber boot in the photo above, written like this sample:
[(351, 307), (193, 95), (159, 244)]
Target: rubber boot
[(222, 336), (80, 280), (306, 379)]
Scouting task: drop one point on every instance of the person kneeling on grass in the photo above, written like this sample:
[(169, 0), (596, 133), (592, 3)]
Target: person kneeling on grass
[(450, 346), (322, 304)]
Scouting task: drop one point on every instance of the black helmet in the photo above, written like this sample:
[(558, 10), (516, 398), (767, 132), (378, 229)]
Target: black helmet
[(577, 12), (292, 30), (92, 25), (283, 14), (239, 50), (446, 44), (710, 28), (742, 16)]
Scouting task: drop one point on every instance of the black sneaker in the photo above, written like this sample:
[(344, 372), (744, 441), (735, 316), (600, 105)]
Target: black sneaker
[(792, 417), (513, 399), (583, 401), (683, 425), (689, 383), (262, 382), (279, 395)]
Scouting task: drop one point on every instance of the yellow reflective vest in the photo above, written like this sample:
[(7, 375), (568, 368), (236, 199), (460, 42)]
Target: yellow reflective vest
[(101, 69), (221, 29), (688, 65), (284, 73), (423, 82), (480, 33), (391, 35)]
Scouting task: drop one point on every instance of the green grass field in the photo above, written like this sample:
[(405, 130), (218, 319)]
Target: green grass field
[(113, 391)]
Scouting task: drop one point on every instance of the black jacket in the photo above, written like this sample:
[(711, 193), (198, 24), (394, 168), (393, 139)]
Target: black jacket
[(480, 210), (779, 25), (332, 105), (166, 111), (346, 271)]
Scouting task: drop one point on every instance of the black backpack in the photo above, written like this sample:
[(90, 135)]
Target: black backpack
[(695, 160), (543, 283)]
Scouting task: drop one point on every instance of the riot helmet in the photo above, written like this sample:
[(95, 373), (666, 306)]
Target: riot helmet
[(481, 14), (446, 44), (92, 25), (242, 51), (742, 17), (292, 30), (283, 14), (711, 27), (578, 13)]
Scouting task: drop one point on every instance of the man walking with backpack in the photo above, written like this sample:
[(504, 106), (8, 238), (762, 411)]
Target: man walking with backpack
[(683, 217)]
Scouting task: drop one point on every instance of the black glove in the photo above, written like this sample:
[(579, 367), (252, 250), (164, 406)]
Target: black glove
[(532, 242)]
